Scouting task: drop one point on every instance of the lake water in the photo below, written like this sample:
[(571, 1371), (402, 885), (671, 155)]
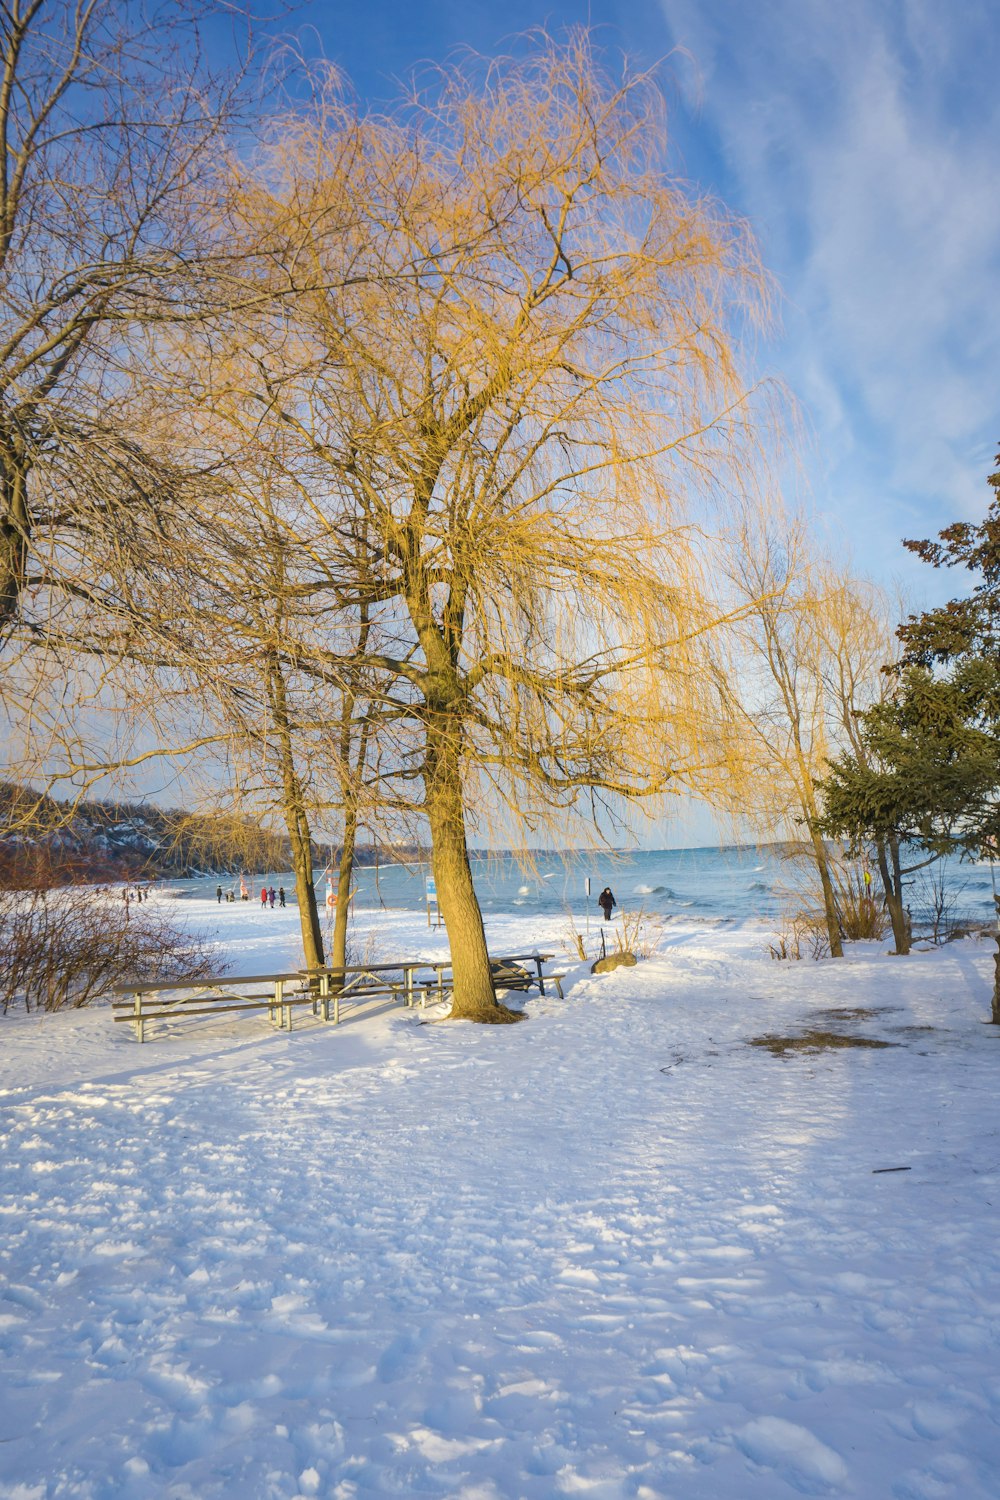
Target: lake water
[(710, 884)]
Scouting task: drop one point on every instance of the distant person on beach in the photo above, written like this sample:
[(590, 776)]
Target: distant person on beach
[(263, 895), (218, 894), (270, 897), (606, 901), (281, 895)]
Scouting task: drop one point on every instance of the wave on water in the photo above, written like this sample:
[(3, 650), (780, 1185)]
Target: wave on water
[(524, 890)]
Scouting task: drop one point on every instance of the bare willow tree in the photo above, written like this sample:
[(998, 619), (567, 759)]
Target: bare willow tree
[(858, 629), (108, 123), (297, 739), (508, 373), (805, 657)]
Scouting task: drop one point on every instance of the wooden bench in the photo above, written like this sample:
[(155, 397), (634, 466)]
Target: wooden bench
[(140, 1002)]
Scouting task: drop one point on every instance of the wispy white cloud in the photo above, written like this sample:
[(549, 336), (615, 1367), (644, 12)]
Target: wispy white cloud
[(862, 138)]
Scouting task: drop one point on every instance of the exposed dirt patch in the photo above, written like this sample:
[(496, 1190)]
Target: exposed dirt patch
[(814, 1041), (857, 1013)]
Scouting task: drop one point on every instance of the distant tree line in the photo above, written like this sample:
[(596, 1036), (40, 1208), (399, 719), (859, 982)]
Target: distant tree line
[(85, 840)]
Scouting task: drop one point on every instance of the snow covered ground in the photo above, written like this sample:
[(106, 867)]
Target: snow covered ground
[(612, 1252)]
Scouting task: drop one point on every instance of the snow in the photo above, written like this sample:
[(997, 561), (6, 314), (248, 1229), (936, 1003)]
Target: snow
[(612, 1252)]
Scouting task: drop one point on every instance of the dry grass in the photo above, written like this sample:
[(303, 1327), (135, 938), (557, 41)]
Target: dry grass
[(572, 938), (813, 1041), (639, 933)]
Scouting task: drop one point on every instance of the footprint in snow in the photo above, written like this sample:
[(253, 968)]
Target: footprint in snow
[(808, 1464)]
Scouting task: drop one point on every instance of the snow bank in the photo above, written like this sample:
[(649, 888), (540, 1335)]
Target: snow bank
[(613, 1252)]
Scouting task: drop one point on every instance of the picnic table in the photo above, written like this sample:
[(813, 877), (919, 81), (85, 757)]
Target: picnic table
[(368, 981), (143, 1001), (396, 981), (323, 988)]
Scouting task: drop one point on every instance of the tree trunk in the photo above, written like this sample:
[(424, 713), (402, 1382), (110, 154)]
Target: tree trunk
[(305, 889), (296, 822), (995, 1010), (829, 895), (350, 779), (474, 997), (15, 532), (892, 887), (338, 957)]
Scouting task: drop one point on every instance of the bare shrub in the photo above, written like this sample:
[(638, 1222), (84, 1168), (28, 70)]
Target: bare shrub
[(860, 904), (785, 946), (64, 947), (936, 896), (572, 938), (805, 931), (639, 933), (803, 934), (358, 952)]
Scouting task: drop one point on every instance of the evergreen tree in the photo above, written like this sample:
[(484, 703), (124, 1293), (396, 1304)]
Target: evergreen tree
[(930, 772)]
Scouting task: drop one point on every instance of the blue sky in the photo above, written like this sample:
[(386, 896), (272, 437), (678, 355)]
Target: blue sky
[(862, 141)]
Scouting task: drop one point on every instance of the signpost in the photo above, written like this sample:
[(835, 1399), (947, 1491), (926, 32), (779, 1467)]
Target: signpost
[(586, 892), (430, 888), (332, 889)]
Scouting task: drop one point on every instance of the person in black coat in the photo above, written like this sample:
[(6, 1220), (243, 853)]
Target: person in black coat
[(606, 902)]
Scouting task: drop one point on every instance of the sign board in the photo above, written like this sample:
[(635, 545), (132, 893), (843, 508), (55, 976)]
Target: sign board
[(432, 890), (586, 886)]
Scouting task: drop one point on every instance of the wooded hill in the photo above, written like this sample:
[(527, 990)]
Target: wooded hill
[(91, 841)]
